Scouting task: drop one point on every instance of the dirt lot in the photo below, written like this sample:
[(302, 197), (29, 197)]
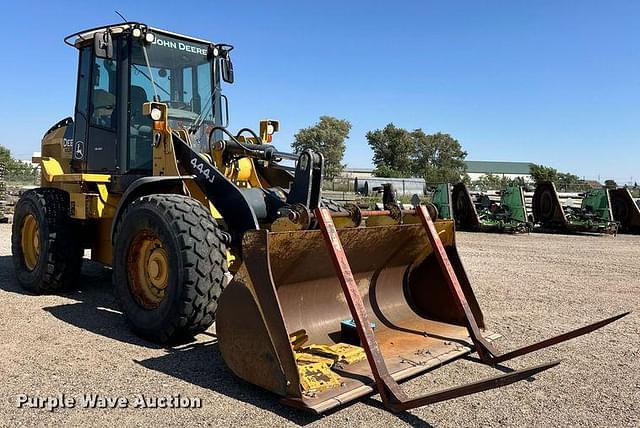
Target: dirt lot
[(530, 287)]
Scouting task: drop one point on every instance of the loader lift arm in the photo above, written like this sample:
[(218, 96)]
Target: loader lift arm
[(227, 197), (393, 397), (244, 209)]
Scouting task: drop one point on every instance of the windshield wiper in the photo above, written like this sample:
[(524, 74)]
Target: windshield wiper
[(152, 81)]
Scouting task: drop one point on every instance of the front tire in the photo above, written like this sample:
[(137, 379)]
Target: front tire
[(170, 267), (47, 255)]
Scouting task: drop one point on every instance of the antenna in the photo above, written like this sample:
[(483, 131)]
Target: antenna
[(120, 15)]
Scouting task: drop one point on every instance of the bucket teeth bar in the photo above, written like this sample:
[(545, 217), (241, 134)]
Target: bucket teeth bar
[(393, 397)]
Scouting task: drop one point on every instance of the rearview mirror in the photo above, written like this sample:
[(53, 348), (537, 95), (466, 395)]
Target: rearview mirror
[(227, 70), (103, 45)]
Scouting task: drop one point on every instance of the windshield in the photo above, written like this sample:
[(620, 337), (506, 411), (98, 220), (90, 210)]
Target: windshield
[(180, 75)]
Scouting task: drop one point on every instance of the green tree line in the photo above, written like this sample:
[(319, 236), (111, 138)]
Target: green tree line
[(397, 152), (15, 170), (402, 153)]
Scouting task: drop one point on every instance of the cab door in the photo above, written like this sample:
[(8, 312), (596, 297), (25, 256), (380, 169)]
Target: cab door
[(81, 113), (95, 130)]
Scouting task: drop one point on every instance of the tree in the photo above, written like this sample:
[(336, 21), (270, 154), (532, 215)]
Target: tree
[(401, 153), (496, 182), (326, 137), (491, 182), (438, 157), (563, 180), (518, 181), (5, 156), (15, 169), (541, 173), (570, 181), (610, 184), (393, 149)]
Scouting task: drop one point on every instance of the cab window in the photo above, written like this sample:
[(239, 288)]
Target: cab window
[(103, 93)]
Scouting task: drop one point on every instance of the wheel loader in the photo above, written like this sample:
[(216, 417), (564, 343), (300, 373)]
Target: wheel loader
[(319, 303)]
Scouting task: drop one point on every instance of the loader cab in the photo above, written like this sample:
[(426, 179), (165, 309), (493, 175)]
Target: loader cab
[(122, 67)]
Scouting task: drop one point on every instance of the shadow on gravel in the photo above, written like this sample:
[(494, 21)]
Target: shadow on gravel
[(406, 417), (96, 309), (501, 367), (99, 320), (200, 363), (8, 280), (94, 280)]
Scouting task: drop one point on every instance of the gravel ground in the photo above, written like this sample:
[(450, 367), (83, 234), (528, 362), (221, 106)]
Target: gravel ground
[(530, 287)]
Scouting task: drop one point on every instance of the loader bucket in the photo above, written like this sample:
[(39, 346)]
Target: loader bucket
[(287, 284), (322, 317), (625, 210)]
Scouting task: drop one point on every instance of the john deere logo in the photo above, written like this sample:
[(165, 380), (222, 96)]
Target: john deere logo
[(180, 46), (78, 151)]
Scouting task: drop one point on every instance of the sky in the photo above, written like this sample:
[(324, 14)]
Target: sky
[(550, 82)]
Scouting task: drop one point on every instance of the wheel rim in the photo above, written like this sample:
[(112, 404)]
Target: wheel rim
[(30, 241), (148, 270)]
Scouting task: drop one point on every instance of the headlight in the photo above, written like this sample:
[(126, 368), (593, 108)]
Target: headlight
[(216, 51), (136, 32), (149, 37), (156, 114), (270, 129)]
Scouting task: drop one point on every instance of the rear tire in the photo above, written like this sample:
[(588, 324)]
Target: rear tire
[(47, 253), (170, 267)]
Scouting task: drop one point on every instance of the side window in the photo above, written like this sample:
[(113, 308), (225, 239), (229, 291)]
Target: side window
[(84, 74), (187, 86), (103, 94), (140, 135), (202, 99)]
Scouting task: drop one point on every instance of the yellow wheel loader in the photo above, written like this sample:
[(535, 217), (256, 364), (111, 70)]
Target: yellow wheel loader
[(316, 302)]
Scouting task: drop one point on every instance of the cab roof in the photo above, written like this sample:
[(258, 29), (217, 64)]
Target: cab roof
[(81, 37)]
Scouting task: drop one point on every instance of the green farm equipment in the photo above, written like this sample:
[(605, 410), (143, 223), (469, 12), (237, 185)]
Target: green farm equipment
[(441, 198), (593, 216), (625, 210), (481, 213), (3, 195)]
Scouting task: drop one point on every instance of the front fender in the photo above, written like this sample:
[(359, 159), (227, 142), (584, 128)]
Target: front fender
[(146, 186)]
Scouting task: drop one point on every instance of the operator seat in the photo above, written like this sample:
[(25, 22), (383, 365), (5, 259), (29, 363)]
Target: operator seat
[(140, 151), (138, 96)]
